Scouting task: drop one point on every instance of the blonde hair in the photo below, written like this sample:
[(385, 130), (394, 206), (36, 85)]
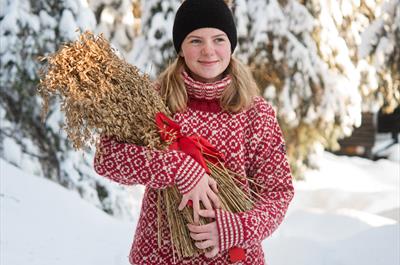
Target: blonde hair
[(236, 97)]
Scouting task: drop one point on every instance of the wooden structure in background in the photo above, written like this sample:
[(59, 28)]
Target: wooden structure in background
[(362, 140), (390, 123)]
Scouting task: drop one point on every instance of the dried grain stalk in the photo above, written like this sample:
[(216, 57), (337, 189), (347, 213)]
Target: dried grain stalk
[(101, 94)]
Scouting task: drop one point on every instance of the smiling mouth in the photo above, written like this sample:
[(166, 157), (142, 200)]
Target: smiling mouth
[(208, 62)]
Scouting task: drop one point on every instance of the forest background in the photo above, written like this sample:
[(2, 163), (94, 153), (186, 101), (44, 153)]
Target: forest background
[(320, 63)]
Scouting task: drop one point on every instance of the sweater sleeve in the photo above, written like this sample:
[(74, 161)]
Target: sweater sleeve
[(269, 168), (130, 164)]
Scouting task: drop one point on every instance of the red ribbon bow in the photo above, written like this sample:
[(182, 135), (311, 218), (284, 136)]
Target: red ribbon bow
[(197, 147)]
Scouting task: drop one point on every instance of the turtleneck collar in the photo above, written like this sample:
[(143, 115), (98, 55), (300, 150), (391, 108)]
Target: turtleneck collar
[(205, 91)]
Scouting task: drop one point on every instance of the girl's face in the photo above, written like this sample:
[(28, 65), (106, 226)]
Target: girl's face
[(207, 53)]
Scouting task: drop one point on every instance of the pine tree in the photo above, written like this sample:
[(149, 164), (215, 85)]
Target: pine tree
[(28, 30), (360, 24), (116, 20), (153, 49), (380, 54), (315, 94)]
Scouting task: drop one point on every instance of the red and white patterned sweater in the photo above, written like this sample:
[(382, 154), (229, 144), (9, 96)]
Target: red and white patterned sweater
[(252, 143)]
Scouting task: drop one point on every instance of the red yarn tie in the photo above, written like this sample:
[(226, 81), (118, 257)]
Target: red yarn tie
[(196, 146), (236, 254)]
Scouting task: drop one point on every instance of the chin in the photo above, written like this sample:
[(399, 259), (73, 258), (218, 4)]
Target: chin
[(206, 76), (210, 76)]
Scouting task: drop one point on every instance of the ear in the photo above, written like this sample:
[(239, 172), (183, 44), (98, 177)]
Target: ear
[(181, 54)]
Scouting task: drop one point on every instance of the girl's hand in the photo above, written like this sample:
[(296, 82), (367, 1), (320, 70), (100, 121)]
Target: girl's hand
[(204, 191), (206, 235)]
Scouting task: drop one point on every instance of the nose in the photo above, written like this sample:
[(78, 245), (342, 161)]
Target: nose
[(208, 49)]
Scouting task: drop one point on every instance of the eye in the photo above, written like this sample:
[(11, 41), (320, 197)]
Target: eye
[(195, 41), (220, 39)]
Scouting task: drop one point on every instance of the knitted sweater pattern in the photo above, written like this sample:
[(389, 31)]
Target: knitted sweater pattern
[(252, 143)]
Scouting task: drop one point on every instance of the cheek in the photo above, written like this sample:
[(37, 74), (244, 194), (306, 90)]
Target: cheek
[(226, 57), (190, 53), (225, 52), (190, 57), (189, 62)]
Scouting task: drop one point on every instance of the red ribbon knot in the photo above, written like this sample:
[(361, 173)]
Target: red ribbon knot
[(194, 145)]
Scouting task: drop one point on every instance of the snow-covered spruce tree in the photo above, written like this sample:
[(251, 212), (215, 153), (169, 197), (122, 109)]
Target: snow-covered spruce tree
[(360, 24), (314, 91), (115, 19), (350, 18), (153, 48), (29, 29), (379, 53)]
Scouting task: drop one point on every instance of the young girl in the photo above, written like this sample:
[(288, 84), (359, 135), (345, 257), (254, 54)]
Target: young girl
[(213, 95)]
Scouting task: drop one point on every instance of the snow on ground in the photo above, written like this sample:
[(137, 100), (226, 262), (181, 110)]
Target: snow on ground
[(346, 213), (43, 223)]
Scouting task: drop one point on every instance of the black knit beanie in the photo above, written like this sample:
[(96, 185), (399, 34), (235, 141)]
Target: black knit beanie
[(195, 14)]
